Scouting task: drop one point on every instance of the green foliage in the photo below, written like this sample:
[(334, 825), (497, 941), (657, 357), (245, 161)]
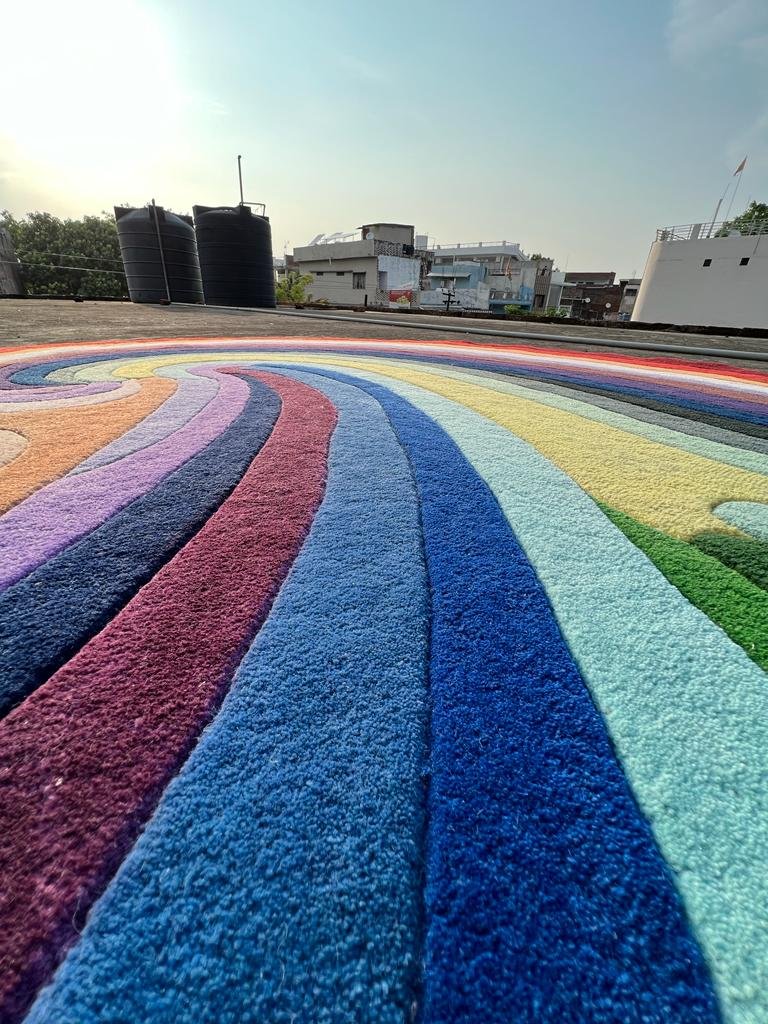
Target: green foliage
[(526, 311), (755, 213), (293, 288), (48, 247)]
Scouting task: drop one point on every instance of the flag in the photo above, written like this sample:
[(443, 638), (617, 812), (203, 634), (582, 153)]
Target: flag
[(741, 167)]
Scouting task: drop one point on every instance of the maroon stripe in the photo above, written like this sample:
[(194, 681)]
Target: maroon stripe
[(84, 760)]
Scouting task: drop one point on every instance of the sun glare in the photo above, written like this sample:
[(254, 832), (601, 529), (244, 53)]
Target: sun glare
[(96, 94)]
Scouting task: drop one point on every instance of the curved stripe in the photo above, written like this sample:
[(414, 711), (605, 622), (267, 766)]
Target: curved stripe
[(48, 616), (192, 395), (299, 814), (686, 709), (724, 588), (746, 556), (541, 874), (66, 509), (59, 440), (88, 754)]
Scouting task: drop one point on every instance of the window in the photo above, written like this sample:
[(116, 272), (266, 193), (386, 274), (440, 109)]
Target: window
[(707, 263), (744, 261), (358, 279), (339, 273), (319, 273)]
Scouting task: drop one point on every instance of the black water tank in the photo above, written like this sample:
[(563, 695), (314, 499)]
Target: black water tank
[(235, 248), (140, 250)]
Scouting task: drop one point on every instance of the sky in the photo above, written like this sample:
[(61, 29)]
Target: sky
[(575, 129)]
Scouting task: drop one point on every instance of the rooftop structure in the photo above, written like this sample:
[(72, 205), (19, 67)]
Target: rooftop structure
[(706, 274)]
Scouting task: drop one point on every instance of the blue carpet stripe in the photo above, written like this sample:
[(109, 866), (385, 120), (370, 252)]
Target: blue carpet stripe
[(280, 879)]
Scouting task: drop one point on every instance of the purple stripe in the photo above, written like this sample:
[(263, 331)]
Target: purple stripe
[(191, 396)]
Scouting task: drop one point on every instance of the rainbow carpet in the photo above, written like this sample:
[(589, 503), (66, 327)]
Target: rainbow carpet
[(381, 681)]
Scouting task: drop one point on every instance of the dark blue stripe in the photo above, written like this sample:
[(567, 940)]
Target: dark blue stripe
[(46, 617)]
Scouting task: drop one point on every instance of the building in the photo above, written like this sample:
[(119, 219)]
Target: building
[(591, 295), (486, 275), (379, 266), (629, 290), (706, 275)]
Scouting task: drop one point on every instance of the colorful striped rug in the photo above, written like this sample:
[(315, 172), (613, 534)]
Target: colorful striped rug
[(347, 680)]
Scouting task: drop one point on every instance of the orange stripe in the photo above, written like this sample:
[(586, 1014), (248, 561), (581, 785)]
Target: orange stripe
[(59, 439)]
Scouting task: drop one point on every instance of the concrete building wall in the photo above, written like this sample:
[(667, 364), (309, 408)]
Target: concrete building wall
[(339, 282), (680, 287)]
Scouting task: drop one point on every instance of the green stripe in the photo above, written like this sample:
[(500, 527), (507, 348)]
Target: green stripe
[(735, 604), (742, 554)]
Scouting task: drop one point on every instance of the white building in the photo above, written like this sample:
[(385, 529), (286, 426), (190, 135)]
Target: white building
[(705, 275), (379, 266)]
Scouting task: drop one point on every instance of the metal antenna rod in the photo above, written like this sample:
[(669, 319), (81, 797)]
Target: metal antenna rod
[(240, 176)]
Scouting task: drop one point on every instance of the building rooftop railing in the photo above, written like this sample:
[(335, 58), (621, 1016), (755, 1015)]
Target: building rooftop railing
[(709, 229), (478, 245)]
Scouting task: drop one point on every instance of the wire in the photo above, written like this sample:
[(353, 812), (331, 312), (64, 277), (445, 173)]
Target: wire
[(59, 266), (72, 256)]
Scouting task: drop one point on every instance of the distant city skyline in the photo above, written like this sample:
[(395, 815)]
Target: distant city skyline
[(575, 130)]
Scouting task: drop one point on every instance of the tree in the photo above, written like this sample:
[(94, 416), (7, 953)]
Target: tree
[(68, 257), (292, 288), (755, 214)]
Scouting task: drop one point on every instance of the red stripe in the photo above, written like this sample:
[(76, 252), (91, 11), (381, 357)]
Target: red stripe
[(84, 760)]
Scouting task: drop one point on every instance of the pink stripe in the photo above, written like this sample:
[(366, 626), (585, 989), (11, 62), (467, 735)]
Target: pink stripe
[(85, 758)]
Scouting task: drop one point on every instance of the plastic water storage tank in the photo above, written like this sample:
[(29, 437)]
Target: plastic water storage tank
[(235, 248), (139, 247)]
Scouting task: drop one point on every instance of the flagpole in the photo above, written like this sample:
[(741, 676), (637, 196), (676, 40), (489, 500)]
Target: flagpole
[(741, 171), (717, 209)]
